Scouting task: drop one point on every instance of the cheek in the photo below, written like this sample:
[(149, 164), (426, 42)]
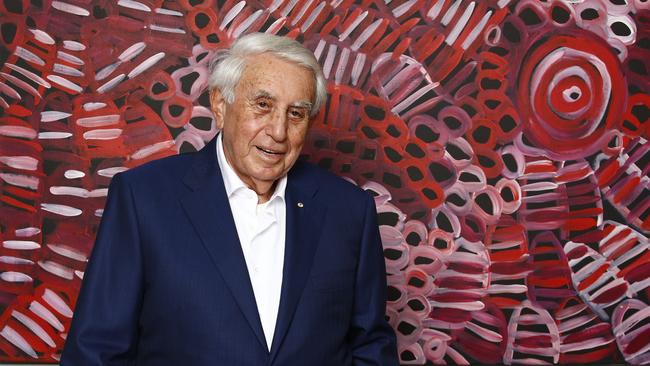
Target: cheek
[(249, 133), (298, 134)]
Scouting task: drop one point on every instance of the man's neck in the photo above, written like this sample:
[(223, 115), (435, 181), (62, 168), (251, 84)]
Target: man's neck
[(264, 189), (266, 196)]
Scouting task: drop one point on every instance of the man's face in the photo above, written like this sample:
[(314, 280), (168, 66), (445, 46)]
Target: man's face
[(265, 127)]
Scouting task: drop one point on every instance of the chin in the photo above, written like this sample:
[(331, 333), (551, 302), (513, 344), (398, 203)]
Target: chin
[(269, 176), (269, 173)]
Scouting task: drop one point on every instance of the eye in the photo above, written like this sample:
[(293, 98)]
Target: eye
[(263, 104), (297, 114)]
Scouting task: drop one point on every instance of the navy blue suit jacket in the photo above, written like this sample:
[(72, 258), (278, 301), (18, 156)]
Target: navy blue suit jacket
[(167, 282)]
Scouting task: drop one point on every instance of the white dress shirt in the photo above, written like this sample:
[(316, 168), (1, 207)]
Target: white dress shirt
[(261, 230)]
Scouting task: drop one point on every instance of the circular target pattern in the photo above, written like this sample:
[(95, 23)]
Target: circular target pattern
[(571, 89)]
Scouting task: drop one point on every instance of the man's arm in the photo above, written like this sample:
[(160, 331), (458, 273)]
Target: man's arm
[(104, 329), (373, 340)]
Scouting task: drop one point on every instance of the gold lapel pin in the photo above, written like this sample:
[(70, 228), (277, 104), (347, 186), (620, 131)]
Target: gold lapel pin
[(301, 205)]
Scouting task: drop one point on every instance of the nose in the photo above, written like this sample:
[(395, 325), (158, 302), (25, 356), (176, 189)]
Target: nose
[(277, 128)]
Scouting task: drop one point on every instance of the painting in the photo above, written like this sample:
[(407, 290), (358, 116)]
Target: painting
[(504, 142)]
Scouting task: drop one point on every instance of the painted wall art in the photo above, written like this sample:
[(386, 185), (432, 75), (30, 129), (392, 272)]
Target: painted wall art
[(505, 143)]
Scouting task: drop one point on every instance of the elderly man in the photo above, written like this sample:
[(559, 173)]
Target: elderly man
[(238, 254)]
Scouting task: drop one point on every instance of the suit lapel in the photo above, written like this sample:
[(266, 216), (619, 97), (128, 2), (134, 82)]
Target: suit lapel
[(303, 226), (209, 210)]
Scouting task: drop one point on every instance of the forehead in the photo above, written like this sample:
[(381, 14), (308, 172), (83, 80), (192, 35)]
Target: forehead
[(283, 80)]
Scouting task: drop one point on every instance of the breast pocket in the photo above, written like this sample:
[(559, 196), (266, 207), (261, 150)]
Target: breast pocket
[(333, 281)]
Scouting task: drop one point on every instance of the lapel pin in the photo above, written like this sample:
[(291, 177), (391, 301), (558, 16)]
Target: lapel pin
[(301, 205)]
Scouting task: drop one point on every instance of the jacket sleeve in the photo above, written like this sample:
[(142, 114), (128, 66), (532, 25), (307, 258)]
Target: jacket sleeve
[(372, 338), (104, 328)]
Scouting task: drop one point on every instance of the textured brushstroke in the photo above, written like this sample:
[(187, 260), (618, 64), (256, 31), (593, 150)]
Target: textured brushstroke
[(505, 143)]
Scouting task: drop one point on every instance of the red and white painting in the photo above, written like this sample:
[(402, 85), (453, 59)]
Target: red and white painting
[(505, 143)]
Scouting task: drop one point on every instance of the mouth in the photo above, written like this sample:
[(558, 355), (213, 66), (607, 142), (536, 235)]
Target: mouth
[(269, 151)]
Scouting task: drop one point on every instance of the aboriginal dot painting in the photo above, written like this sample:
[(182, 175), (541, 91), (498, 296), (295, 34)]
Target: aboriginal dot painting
[(504, 141)]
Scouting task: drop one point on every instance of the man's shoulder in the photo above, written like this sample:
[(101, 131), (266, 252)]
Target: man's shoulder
[(168, 168)]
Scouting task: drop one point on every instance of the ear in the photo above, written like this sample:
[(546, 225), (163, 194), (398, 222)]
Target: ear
[(218, 107)]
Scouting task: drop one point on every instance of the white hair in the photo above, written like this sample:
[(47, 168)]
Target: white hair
[(228, 65)]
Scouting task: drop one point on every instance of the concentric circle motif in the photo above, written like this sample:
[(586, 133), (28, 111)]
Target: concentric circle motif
[(571, 92)]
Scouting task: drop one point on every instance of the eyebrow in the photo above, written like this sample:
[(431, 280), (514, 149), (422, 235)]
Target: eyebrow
[(266, 94), (262, 94), (304, 105)]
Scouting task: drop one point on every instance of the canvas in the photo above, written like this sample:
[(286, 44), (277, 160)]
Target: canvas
[(505, 143)]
